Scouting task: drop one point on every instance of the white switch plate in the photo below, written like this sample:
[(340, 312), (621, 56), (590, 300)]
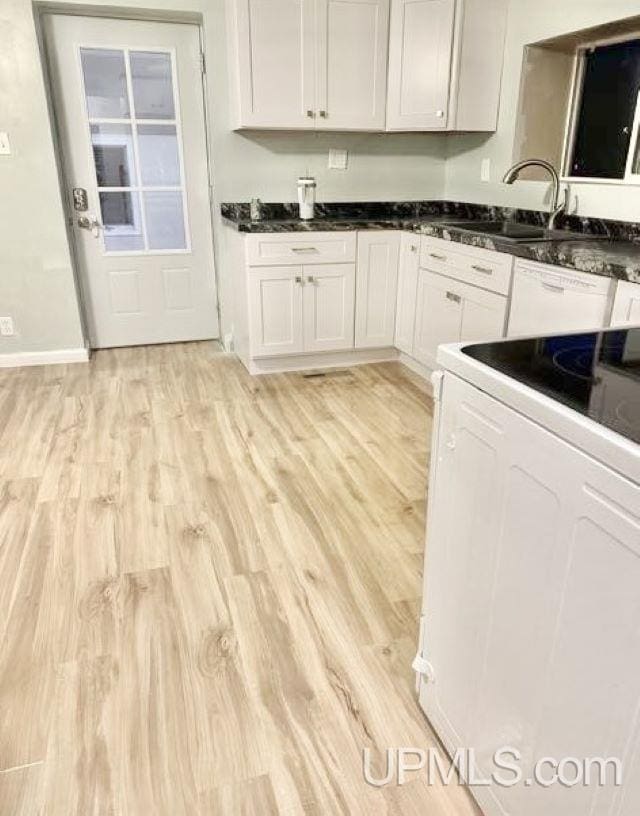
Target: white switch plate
[(337, 159), (5, 146), (485, 170), (6, 326)]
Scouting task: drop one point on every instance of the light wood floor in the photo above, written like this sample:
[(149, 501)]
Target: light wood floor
[(209, 587)]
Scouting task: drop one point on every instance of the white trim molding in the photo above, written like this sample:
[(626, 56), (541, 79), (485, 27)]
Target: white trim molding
[(33, 358)]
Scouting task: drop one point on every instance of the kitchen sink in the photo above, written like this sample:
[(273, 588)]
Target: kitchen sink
[(520, 233)]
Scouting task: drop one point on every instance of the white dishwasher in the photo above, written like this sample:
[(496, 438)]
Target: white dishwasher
[(548, 299)]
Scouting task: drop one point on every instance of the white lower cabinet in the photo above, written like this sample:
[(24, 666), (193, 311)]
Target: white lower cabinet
[(626, 305), (531, 606), (448, 311), (328, 306), (275, 310), (376, 288), (407, 291), (295, 309)]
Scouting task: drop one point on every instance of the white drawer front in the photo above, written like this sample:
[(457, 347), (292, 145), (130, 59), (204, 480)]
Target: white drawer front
[(479, 267), (276, 249)]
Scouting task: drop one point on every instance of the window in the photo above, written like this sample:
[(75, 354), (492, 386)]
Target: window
[(603, 135), (136, 144)]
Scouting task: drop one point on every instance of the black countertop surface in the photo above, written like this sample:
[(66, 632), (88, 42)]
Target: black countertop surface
[(609, 248)]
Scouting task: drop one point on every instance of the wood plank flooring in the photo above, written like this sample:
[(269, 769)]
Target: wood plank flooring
[(209, 587)]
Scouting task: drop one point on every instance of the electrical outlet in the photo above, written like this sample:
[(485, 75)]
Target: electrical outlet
[(337, 159), (6, 326)]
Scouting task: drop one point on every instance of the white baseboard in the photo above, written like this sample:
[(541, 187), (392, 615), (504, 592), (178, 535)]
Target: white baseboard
[(415, 366), (34, 358), (320, 360)]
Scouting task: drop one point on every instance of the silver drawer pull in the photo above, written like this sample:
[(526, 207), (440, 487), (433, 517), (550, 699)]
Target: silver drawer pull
[(437, 257), (484, 269), (452, 296), (552, 288), (304, 249)]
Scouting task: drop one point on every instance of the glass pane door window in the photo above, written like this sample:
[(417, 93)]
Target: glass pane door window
[(136, 144)]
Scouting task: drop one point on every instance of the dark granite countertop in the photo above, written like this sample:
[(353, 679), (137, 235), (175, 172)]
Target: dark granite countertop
[(609, 248)]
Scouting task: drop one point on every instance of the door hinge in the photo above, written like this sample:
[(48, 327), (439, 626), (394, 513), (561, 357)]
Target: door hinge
[(203, 63)]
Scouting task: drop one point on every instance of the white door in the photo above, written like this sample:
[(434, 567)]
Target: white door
[(328, 306), (276, 45), (352, 64), (275, 310), (129, 105), (420, 46), (376, 288), (407, 291), (438, 316), (626, 305)]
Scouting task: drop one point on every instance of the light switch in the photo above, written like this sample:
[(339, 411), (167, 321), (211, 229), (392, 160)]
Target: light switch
[(337, 159), (5, 147), (485, 170)]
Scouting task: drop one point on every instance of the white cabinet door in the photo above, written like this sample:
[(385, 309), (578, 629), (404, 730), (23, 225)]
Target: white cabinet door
[(275, 310), (484, 314), (352, 64), (376, 288), (419, 64), (438, 316), (531, 604), (626, 305), (407, 291), (275, 42), (328, 306)]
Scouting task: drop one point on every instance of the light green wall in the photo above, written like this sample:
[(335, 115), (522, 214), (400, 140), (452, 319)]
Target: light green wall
[(530, 21), (36, 278)]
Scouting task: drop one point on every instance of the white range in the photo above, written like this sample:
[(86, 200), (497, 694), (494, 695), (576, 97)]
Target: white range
[(530, 632)]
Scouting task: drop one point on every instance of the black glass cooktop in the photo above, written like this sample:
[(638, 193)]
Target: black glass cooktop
[(596, 374)]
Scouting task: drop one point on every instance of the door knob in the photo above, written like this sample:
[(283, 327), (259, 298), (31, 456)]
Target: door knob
[(90, 223)]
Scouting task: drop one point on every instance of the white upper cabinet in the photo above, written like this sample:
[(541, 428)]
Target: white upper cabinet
[(352, 64), (445, 64), (309, 64), (419, 64), (274, 67)]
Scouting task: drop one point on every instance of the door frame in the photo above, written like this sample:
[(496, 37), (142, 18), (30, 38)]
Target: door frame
[(40, 9)]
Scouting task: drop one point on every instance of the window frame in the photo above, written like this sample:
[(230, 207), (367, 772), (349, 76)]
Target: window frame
[(573, 111)]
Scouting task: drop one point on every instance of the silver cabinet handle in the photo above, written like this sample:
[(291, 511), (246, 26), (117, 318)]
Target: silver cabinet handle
[(323, 114), (452, 296), (298, 279), (304, 249), (311, 279), (310, 114), (414, 248), (484, 269), (437, 257)]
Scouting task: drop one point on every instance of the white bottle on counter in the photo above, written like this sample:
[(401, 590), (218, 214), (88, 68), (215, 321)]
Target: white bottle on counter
[(306, 197)]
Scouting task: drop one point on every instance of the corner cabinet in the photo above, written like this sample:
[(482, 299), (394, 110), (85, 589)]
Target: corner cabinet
[(445, 64), (309, 64)]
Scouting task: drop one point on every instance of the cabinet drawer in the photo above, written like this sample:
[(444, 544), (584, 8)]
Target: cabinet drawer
[(299, 248), (479, 267)]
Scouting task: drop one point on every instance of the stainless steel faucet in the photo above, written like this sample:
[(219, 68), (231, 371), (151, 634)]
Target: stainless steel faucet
[(556, 208)]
